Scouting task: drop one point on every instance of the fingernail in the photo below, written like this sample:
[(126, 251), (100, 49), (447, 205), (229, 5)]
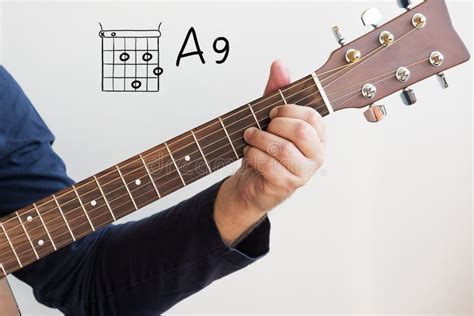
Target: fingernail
[(249, 132), (246, 148), (273, 112)]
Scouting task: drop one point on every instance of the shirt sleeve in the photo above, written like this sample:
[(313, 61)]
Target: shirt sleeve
[(140, 268)]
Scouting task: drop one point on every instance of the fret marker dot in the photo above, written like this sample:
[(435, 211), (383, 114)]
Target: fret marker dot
[(93, 203), (138, 182), (29, 218), (40, 242), (187, 158)]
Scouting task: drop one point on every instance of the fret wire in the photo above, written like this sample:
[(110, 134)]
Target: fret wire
[(151, 178), (27, 235), (105, 199), (293, 85), (174, 162), (213, 151), (176, 187), (202, 154), (257, 121), (83, 208), (146, 192), (126, 186), (228, 137), (195, 178), (11, 245), (254, 116), (282, 96), (62, 214), (231, 144), (3, 269), (44, 225), (260, 110)]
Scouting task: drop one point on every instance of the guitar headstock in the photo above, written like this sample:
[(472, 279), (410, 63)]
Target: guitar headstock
[(416, 45)]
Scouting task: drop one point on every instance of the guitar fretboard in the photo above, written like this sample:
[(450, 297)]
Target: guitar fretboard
[(66, 216)]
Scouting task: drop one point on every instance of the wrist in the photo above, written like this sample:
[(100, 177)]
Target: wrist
[(232, 214)]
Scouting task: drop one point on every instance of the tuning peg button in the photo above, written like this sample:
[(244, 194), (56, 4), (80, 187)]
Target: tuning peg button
[(371, 17), (338, 34), (404, 4), (409, 96), (442, 80), (375, 113)]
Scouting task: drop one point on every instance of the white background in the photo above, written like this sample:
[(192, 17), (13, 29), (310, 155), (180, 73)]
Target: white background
[(387, 226)]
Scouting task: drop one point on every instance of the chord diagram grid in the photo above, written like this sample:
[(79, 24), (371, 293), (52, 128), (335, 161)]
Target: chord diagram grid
[(131, 60)]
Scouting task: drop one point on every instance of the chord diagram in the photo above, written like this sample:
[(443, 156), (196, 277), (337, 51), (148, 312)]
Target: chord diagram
[(131, 60)]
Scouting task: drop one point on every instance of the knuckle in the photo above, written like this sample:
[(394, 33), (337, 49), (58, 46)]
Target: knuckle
[(267, 166), (313, 117), (302, 130), (281, 182), (293, 184), (285, 150), (285, 185)]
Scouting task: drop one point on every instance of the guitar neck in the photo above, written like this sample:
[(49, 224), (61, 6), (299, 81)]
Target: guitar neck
[(56, 221)]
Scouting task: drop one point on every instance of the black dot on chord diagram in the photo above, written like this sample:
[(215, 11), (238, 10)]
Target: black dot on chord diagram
[(113, 34), (124, 56), (147, 56), (136, 84), (158, 71)]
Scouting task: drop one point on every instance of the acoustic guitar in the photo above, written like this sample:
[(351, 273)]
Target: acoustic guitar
[(418, 44)]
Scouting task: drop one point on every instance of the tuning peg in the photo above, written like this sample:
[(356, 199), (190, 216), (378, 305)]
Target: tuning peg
[(404, 4), (371, 17), (339, 37), (409, 96), (442, 80), (375, 113)]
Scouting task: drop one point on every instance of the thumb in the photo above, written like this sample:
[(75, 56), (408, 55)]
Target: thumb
[(279, 77)]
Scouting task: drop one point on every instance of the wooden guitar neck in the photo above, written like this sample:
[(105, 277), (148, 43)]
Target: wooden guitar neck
[(64, 217)]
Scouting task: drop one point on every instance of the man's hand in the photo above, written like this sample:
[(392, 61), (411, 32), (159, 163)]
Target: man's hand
[(276, 162)]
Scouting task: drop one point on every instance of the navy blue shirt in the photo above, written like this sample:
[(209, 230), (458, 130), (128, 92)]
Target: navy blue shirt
[(138, 268)]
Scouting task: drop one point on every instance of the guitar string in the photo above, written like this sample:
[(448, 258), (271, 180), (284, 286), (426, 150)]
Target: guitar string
[(145, 176), (151, 190), (368, 57), (189, 144), (27, 262), (137, 197), (341, 68), (248, 116), (365, 58), (251, 117), (260, 101)]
